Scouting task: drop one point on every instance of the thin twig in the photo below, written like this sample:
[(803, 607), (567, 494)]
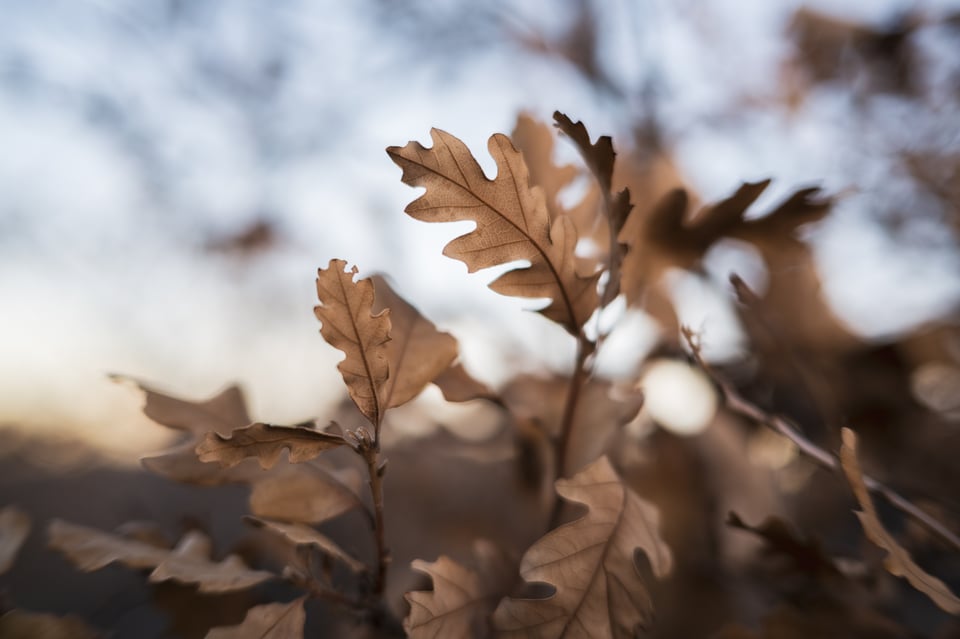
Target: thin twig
[(580, 374), (371, 454), (738, 404)]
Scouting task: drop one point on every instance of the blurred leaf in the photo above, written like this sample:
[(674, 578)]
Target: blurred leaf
[(306, 494), (535, 141), (598, 417), (222, 413), (416, 353), (266, 442), (189, 563), (20, 624), (599, 156), (457, 385), (270, 621), (462, 597), (898, 560), (512, 223), (14, 528), (302, 535), (807, 555), (591, 564), (349, 325), (180, 463)]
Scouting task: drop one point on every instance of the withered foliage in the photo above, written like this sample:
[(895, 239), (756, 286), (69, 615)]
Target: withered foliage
[(577, 517)]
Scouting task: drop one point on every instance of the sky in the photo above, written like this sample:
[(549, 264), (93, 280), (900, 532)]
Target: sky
[(137, 134)]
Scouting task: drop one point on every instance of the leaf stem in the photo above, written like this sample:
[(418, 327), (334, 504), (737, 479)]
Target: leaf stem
[(739, 405)]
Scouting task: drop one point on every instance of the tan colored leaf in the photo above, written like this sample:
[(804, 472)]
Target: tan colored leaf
[(189, 563), (462, 597), (301, 535), (305, 494), (512, 223), (598, 417), (457, 385), (417, 352), (535, 141), (14, 528), (349, 325), (266, 442), (180, 463), (20, 624), (590, 562), (270, 621), (222, 413), (898, 560)]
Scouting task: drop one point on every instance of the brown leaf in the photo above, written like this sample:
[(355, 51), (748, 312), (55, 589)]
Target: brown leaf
[(898, 560), (14, 528), (180, 463), (222, 413), (349, 325), (304, 493), (535, 141), (416, 353), (457, 385), (20, 624), (512, 223), (189, 563), (599, 156), (301, 535), (270, 621), (596, 421), (590, 562), (266, 442), (462, 597), (807, 555)]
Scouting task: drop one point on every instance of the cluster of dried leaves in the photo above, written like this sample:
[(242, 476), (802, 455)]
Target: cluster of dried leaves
[(643, 537)]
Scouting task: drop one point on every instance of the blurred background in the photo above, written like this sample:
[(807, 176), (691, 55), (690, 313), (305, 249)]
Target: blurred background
[(174, 172)]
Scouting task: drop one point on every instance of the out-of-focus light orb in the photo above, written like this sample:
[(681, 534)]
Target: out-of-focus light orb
[(678, 397)]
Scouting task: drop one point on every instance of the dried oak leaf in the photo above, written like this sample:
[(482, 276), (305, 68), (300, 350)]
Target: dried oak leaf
[(189, 562), (512, 223), (417, 352), (306, 494), (14, 528), (665, 238), (266, 442), (221, 413), (457, 385), (898, 561), (21, 624), (270, 621), (535, 141), (591, 564), (301, 535), (349, 325), (462, 597)]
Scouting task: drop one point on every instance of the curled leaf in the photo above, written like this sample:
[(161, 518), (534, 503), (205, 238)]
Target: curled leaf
[(512, 223), (898, 560), (189, 563), (301, 535), (270, 621), (14, 528), (266, 442), (590, 562), (462, 597), (417, 352), (349, 325)]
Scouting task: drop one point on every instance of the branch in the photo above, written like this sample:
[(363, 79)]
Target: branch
[(741, 406)]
